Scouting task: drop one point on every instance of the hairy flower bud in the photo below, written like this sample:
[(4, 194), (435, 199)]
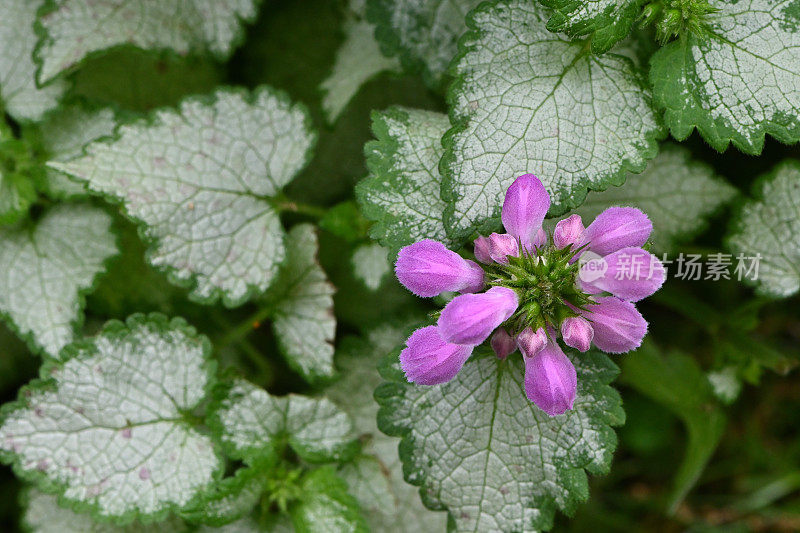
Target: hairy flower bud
[(551, 381), (577, 332), (530, 343), (471, 318), (429, 360), (502, 245), (568, 232), (428, 268), (502, 343)]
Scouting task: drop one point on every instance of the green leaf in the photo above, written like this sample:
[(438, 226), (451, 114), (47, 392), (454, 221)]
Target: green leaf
[(253, 425), (303, 319), (677, 383), (111, 427), (424, 33), (529, 101), (358, 59), (43, 515), (74, 29), (21, 97), (345, 221), (64, 133), (142, 80), (245, 525), (403, 191), (480, 449), (605, 21), (17, 193), (326, 505), (677, 193), (737, 82), (371, 265), (231, 498), (203, 190), (48, 266), (769, 225), (375, 477)]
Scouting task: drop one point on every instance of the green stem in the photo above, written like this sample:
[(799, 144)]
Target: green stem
[(283, 204), (240, 331)]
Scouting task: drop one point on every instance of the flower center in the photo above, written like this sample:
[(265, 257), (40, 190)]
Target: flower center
[(545, 282)]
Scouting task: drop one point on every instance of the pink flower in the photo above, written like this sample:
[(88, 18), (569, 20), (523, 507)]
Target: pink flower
[(569, 232), (502, 246), (579, 285), (502, 343), (428, 268), (550, 380), (471, 318), (618, 326), (577, 333), (531, 342), (524, 209), (428, 360), (630, 273)]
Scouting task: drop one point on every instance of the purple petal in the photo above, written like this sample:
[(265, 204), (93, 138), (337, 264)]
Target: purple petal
[(577, 332), (530, 343), (618, 326), (481, 250), (502, 245), (550, 380), (524, 208), (569, 232), (617, 228), (428, 268), (428, 360), (471, 318), (631, 274), (502, 343)]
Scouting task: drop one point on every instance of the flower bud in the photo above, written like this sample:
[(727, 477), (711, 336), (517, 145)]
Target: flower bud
[(524, 208), (530, 343), (501, 245), (569, 232), (428, 360), (471, 318), (481, 250), (631, 274), (617, 228), (502, 343), (550, 380), (428, 268), (577, 332), (618, 326)]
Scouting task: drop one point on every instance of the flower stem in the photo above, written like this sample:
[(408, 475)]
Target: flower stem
[(284, 204)]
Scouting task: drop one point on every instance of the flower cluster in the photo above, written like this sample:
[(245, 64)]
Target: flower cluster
[(579, 283)]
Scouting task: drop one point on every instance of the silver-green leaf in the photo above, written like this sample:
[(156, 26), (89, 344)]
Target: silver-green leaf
[(525, 100), (44, 515), (252, 425), (423, 33), (736, 82), (47, 266), (769, 226), (675, 191), (21, 97), (74, 29), (481, 450), (201, 182), (402, 193), (376, 476), (111, 427), (64, 133), (358, 60), (303, 318)]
